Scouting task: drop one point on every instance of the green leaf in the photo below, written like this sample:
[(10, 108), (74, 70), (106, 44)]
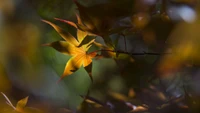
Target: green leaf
[(76, 62)]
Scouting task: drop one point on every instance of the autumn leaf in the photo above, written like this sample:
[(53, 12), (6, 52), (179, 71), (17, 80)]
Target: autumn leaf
[(81, 28), (65, 35), (20, 106), (74, 48)]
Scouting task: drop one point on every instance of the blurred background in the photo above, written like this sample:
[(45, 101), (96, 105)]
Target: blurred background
[(162, 83)]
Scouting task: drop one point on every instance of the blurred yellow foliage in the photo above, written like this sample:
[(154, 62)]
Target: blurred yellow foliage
[(184, 47), (4, 81), (7, 6), (140, 20)]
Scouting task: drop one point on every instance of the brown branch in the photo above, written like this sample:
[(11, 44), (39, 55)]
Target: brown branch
[(143, 53)]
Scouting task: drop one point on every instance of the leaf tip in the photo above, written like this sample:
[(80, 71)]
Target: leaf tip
[(62, 20), (59, 80), (66, 21), (44, 20)]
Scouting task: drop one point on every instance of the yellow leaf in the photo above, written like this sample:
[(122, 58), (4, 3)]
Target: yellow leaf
[(21, 104), (66, 48), (75, 63), (87, 60), (63, 47), (77, 49), (118, 96), (81, 35), (65, 35), (88, 45)]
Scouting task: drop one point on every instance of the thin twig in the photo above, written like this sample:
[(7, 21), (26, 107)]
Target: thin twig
[(143, 53)]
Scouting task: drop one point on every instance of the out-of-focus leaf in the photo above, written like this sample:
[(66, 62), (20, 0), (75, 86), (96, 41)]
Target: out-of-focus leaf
[(139, 109), (4, 81), (184, 46), (20, 107), (99, 19), (118, 96), (21, 104), (131, 93), (85, 17), (140, 20), (92, 107)]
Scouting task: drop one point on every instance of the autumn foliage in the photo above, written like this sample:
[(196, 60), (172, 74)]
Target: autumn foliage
[(148, 55)]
